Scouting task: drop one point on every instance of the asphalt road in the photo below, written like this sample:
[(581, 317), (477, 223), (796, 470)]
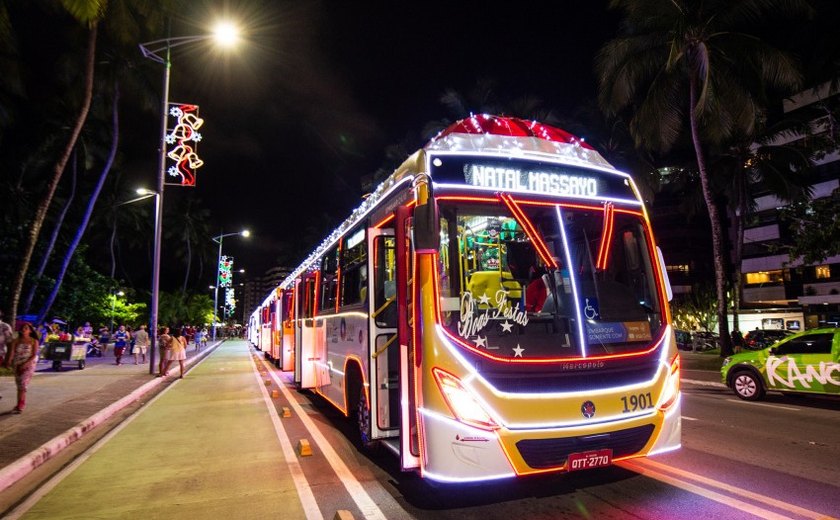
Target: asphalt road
[(773, 459)]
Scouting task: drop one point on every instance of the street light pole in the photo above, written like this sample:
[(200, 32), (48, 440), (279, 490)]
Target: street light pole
[(160, 51), (245, 233), (216, 290)]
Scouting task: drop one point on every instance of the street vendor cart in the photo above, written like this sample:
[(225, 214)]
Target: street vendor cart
[(60, 351)]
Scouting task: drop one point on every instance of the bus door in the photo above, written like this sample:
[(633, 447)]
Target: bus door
[(384, 353), (288, 335), (309, 333), (409, 432)]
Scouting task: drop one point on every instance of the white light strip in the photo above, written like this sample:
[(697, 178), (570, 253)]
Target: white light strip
[(382, 192), (572, 276), (430, 414)]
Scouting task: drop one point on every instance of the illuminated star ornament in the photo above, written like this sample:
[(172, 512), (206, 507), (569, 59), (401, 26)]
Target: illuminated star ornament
[(226, 271), (517, 352), (182, 144)]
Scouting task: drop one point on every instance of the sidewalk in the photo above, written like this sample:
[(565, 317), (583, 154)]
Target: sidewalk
[(63, 406), (203, 448)]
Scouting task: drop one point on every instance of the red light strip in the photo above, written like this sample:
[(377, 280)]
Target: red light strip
[(653, 346), (338, 274), (528, 226), (606, 237), (384, 221)]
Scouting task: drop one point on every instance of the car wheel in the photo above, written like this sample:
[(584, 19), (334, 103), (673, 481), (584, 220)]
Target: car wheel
[(748, 386)]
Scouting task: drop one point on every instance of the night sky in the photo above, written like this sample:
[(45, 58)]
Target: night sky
[(306, 107)]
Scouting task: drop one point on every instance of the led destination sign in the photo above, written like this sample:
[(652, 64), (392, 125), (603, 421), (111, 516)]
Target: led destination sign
[(523, 180), (531, 176)]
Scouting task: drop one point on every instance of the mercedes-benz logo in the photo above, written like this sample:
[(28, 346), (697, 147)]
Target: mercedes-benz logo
[(587, 409)]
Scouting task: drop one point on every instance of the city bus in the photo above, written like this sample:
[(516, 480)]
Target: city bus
[(497, 307)]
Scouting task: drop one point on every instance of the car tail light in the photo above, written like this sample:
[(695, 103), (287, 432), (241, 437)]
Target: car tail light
[(462, 403), (672, 386)]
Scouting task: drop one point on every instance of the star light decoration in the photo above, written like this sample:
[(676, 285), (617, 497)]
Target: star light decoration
[(507, 326), (226, 271), (230, 300), (182, 144)]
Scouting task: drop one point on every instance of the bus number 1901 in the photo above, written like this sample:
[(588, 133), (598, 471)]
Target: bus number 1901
[(637, 402)]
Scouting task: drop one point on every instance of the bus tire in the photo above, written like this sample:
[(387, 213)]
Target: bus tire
[(358, 409), (747, 385)]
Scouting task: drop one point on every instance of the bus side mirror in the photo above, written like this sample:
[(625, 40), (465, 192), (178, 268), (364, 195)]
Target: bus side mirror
[(426, 228)]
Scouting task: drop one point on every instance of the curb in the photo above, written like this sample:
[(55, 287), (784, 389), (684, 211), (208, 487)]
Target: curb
[(29, 462)]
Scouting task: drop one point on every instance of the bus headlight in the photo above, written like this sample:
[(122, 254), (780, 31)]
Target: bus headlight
[(462, 403), (672, 386)]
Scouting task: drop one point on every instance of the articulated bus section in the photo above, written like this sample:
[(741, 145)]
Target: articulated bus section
[(497, 307)]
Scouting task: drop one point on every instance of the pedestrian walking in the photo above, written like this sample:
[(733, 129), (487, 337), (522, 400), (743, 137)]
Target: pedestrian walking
[(163, 342), (6, 337), (121, 339), (24, 355), (104, 339), (141, 344), (199, 338), (204, 335), (177, 352)]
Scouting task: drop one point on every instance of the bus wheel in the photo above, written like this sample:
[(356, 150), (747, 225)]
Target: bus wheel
[(748, 386), (363, 419)]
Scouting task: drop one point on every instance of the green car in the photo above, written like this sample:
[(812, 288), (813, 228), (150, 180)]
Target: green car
[(807, 362)]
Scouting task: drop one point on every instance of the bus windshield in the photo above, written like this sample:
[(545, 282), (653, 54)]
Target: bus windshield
[(545, 281)]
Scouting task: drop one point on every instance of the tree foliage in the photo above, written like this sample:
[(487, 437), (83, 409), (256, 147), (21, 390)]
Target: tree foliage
[(814, 228), (701, 69)]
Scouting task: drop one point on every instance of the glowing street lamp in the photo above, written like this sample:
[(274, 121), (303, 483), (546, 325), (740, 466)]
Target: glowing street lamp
[(160, 52), (114, 306), (218, 239)]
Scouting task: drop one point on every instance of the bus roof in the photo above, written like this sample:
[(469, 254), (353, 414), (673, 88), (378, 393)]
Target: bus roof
[(496, 134)]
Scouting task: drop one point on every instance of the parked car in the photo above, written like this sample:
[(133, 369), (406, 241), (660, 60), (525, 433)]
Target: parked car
[(760, 339), (683, 338), (807, 362)]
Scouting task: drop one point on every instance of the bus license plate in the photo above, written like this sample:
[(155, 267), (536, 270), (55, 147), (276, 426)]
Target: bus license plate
[(589, 460)]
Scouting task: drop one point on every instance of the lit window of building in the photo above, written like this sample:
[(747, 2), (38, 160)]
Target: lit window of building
[(764, 277), (823, 271), (679, 268)]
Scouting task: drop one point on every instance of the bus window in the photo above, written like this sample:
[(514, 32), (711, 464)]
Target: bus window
[(354, 269), (385, 281), (329, 280), (585, 288)]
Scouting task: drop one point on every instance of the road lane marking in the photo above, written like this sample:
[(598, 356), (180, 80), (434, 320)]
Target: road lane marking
[(734, 490), (357, 492), (768, 405), (307, 497), (687, 418), (699, 382), (698, 490)]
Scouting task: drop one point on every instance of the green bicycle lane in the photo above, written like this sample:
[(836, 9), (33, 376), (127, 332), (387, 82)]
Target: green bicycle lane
[(204, 448)]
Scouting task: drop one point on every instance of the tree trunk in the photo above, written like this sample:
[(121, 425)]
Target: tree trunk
[(714, 216), (737, 275), (53, 238), (80, 231), (58, 169), (113, 254)]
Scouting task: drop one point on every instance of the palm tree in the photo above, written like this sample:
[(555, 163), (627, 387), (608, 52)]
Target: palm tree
[(190, 228), (45, 257), (88, 13), (695, 62), (80, 231)]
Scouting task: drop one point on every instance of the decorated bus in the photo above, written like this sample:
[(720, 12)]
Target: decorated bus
[(496, 307)]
